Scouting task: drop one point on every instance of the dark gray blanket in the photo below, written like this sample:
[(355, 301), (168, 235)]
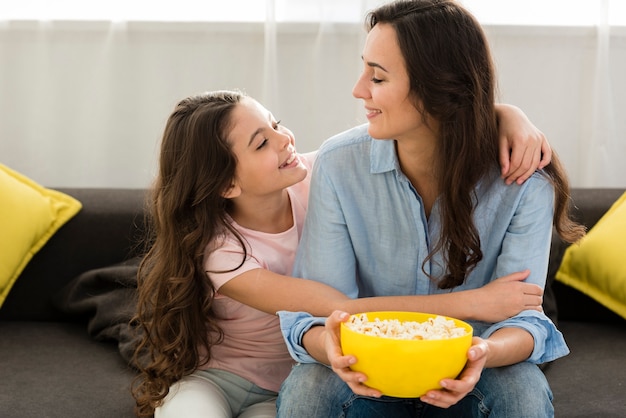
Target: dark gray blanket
[(106, 298)]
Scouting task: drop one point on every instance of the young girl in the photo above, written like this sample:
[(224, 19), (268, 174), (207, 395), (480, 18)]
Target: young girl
[(227, 213)]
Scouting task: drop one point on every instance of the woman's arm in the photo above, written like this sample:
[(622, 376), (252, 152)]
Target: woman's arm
[(508, 346), (504, 347), (523, 147)]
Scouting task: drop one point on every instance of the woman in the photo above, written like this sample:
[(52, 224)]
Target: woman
[(425, 212)]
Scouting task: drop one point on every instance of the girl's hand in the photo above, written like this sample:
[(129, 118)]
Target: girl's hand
[(456, 389), (340, 363), (523, 147), (506, 297)]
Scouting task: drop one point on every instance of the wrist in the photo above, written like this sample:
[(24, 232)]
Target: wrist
[(474, 309), (313, 342)]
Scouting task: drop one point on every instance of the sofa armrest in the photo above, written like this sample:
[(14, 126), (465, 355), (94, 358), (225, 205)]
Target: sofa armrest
[(108, 230)]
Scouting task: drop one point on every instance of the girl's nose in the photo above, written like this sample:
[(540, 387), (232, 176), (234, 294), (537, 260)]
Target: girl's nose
[(283, 140)]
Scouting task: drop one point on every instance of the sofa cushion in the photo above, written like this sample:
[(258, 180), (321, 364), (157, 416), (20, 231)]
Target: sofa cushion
[(590, 381), (54, 370), (595, 266), (29, 215)]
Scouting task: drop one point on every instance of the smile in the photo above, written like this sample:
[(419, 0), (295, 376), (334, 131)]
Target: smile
[(290, 160), (370, 113)]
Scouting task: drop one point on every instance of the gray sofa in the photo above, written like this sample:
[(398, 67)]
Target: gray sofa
[(60, 357)]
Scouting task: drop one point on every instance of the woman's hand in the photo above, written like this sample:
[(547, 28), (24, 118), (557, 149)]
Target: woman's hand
[(456, 389), (340, 363), (453, 389), (523, 147), (506, 297)]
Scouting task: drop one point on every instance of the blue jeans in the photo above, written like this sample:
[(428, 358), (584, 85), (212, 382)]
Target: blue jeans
[(517, 391)]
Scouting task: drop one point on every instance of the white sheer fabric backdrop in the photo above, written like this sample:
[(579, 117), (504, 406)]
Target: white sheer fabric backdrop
[(603, 154), (83, 104)]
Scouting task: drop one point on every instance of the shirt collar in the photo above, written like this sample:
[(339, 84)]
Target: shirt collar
[(383, 157)]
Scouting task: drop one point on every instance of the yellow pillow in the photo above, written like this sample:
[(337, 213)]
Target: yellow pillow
[(596, 265), (29, 215)]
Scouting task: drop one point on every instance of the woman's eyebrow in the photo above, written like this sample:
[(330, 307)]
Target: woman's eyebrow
[(374, 64)]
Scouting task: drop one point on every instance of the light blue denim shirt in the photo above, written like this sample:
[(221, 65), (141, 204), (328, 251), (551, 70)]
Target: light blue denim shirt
[(366, 234)]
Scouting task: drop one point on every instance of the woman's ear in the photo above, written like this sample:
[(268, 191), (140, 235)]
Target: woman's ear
[(232, 191)]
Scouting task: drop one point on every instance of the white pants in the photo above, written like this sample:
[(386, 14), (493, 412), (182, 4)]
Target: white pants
[(216, 394)]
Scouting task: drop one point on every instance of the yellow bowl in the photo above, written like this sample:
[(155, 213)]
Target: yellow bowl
[(406, 368)]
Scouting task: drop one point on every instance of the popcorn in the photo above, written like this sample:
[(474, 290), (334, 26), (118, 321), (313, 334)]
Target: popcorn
[(435, 328)]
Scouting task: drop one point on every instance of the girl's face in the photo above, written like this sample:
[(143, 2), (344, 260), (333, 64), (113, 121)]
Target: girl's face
[(266, 155), (385, 88)]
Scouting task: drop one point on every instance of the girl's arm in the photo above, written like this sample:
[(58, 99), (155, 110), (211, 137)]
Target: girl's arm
[(523, 147), (271, 292)]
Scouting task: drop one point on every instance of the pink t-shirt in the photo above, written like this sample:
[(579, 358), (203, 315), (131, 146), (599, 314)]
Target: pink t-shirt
[(253, 346)]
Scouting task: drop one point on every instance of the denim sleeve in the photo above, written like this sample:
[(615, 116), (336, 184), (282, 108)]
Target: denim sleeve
[(549, 342), (293, 326), (526, 244)]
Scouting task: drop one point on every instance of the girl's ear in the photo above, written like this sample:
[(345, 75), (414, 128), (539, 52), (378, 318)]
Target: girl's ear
[(233, 191)]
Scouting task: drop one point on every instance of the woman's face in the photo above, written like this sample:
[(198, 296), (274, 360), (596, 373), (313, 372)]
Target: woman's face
[(385, 88), (266, 155)]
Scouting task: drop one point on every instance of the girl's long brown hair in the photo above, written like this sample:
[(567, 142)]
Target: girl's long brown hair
[(452, 79), (187, 212)]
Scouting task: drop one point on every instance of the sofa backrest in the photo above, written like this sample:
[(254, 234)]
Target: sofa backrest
[(108, 230), (589, 205)]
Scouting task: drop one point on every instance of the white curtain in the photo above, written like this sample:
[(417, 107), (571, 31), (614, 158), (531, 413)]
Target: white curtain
[(83, 103), (603, 146)]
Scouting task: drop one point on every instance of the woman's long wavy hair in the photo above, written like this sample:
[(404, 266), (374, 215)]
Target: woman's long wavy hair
[(453, 80), (186, 213)]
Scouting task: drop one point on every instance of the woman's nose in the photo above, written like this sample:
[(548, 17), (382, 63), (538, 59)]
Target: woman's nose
[(359, 89)]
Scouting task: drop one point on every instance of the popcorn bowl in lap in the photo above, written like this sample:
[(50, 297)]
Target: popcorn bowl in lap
[(406, 354)]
